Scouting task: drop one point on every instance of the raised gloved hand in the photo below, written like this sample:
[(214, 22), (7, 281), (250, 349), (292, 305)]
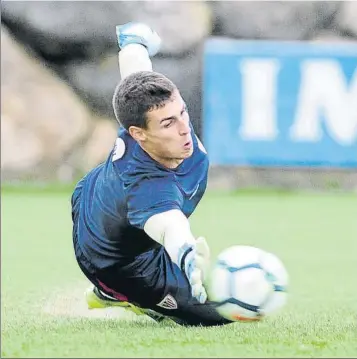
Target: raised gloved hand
[(138, 33), (194, 262)]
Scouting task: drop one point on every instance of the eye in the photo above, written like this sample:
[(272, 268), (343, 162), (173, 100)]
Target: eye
[(168, 124), (184, 110)]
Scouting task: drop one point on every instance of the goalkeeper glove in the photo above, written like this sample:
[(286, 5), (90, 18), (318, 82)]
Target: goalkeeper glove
[(194, 262), (138, 33)]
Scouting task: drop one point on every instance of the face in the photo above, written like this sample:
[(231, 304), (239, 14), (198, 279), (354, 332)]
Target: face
[(168, 135)]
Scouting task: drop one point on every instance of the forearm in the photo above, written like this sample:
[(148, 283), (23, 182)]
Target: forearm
[(134, 58), (172, 230)]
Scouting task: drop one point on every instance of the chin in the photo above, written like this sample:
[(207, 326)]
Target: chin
[(187, 155)]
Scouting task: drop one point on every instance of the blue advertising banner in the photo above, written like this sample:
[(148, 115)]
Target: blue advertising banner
[(269, 103)]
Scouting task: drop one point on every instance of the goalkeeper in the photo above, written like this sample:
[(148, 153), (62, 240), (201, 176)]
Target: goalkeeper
[(131, 234)]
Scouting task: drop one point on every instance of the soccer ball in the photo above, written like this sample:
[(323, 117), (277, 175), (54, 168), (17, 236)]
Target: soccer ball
[(247, 283)]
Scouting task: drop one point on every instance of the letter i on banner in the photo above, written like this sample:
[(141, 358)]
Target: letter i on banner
[(259, 102)]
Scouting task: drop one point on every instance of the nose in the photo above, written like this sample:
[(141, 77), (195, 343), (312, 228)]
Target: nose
[(184, 127)]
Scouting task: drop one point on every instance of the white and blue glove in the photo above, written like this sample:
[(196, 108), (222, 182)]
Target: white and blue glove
[(194, 262), (138, 33)]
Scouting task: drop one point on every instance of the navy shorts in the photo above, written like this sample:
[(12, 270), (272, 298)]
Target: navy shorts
[(151, 281)]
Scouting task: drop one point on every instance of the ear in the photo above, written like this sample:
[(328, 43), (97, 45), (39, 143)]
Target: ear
[(137, 133)]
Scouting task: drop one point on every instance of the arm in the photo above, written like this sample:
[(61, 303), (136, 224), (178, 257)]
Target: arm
[(137, 42), (154, 205), (172, 230)]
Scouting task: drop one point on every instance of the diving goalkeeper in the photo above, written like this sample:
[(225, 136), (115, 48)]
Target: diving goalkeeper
[(131, 234)]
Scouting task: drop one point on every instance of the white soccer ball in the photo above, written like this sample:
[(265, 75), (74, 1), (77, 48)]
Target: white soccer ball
[(247, 283)]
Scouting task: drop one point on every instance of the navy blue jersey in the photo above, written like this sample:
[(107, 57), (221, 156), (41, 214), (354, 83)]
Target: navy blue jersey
[(121, 194)]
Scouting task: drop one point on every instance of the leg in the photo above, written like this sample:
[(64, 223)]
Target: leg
[(155, 282), (95, 298), (101, 296)]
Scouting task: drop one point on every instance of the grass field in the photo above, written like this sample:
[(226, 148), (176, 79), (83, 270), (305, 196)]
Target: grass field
[(43, 312)]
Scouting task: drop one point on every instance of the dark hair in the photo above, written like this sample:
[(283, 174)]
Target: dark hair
[(139, 93)]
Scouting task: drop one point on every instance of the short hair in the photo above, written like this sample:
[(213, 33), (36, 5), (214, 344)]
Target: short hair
[(139, 93)]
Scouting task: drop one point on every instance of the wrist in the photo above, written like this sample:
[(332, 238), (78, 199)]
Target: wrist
[(186, 259)]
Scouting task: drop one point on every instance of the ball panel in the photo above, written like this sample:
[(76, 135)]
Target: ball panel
[(239, 256), (233, 312), (250, 286), (275, 269), (275, 301), (218, 289)]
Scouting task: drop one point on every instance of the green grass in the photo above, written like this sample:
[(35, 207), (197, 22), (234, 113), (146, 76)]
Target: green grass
[(314, 234)]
